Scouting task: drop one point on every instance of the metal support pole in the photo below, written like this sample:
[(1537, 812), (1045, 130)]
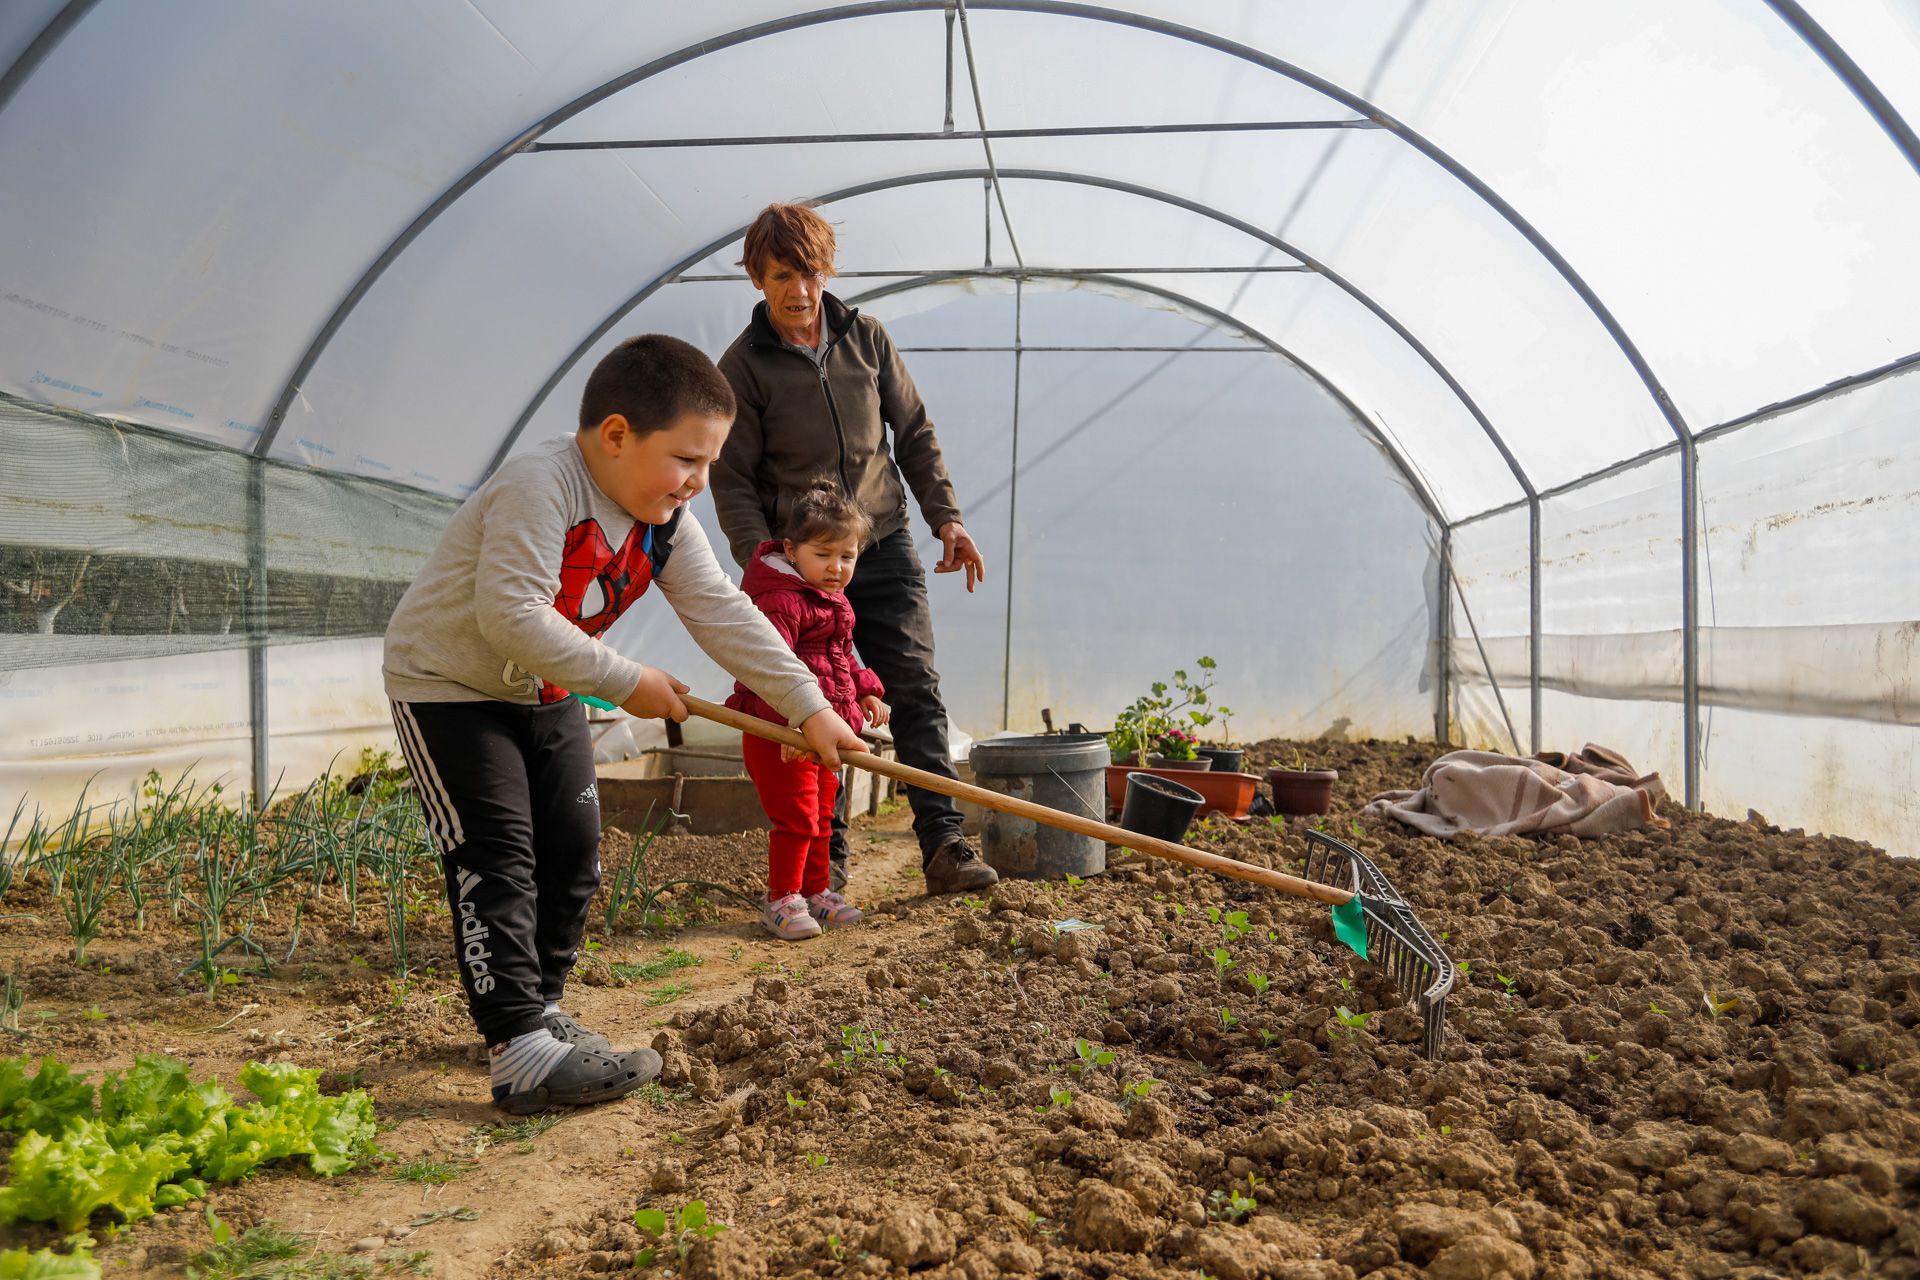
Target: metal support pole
[(1013, 496), (1443, 666), (1533, 617), (986, 210), (257, 627), (1690, 616), (1486, 664), (948, 127)]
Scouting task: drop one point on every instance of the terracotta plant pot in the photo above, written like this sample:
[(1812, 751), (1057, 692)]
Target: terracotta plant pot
[(1228, 793), (1302, 791), (1161, 762)]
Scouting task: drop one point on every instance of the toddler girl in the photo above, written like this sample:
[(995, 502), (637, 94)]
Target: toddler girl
[(800, 583)]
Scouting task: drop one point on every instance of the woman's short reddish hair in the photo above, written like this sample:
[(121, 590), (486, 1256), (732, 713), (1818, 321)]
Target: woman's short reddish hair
[(791, 233)]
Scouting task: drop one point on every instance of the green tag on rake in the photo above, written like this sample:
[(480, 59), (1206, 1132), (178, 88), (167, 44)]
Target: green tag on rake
[(595, 702), (1350, 925)]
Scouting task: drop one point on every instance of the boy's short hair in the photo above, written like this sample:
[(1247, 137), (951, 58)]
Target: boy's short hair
[(790, 233), (653, 381)]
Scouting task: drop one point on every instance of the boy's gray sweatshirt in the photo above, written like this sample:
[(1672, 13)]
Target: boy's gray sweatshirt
[(538, 564)]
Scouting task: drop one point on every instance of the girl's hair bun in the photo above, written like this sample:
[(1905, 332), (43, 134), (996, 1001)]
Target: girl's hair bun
[(824, 510)]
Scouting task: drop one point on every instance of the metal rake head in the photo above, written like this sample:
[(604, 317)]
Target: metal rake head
[(1396, 940)]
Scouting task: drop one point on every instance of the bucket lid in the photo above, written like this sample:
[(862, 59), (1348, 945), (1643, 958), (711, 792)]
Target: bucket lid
[(1036, 753)]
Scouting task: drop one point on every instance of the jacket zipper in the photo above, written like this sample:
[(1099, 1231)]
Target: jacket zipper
[(833, 410)]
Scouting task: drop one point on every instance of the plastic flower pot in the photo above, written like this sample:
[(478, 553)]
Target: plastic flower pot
[(1228, 793), (1225, 759), (1161, 762), (1159, 807), (1302, 791)]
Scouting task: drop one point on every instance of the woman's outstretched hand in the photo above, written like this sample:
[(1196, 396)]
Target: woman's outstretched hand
[(960, 553)]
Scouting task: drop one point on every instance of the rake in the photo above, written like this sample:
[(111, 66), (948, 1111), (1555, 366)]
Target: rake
[(1369, 914), (1396, 940)]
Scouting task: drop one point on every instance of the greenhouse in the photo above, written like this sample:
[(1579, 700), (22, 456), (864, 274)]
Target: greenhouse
[(1452, 374)]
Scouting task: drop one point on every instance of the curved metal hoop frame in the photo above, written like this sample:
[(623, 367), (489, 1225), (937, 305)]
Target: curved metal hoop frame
[(653, 286), (1414, 482)]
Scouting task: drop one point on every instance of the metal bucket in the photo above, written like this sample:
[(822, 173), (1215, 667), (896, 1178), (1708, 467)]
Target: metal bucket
[(1061, 771)]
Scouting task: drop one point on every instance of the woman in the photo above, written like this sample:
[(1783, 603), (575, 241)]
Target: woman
[(818, 387)]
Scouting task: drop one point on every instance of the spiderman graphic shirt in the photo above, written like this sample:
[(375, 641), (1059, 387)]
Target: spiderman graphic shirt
[(597, 583)]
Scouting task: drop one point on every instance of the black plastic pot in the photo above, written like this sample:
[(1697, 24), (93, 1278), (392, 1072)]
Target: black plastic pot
[(1159, 807), (1225, 759)]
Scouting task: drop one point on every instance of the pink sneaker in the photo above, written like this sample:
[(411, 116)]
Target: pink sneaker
[(832, 910), (788, 918)]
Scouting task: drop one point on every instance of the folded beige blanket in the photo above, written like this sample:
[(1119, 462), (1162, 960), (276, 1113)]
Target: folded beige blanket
[(1501, 795)]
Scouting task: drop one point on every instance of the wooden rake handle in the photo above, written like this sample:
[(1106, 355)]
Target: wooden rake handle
[(1019, 808)]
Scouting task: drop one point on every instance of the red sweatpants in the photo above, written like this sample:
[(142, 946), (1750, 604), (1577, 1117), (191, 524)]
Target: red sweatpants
[(799, 799)]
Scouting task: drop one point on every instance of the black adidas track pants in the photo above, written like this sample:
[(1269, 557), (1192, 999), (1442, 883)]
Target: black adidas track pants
[(509, 793)]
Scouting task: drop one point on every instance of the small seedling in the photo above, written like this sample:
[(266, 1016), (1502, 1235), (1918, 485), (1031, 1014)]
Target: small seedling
[(834, 1248), (1283, 1099), (1227, 1019), (1656, 1008), (1222, 961), (1259, 982), (1090, 1058), (1717, 1007), (1056, 1097), (1136, 1092), (1353, 1022), (817, 1161), (1232, 1206), (689, 1224), (794, 1104), (1466, 969), (1073, 881)]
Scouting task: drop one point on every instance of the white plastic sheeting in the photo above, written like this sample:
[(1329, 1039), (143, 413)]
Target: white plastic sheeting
[(217, 209)]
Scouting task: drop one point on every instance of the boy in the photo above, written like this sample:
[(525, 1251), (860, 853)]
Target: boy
[(481, 654)]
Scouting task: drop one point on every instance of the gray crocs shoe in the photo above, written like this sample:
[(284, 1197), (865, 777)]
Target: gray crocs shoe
[(565, 1028), (583, 1077)]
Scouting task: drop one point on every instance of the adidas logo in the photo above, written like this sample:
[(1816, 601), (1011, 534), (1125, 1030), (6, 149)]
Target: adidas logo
[(592, 793), (465, 880)]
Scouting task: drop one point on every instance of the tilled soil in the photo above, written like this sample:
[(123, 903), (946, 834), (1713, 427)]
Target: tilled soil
[(1676, 1053)]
